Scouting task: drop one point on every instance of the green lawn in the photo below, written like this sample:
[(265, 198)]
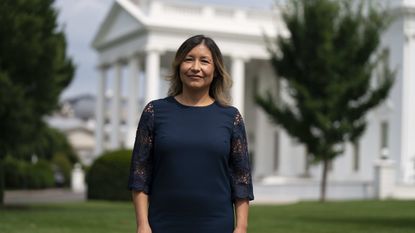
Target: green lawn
[(305, 217)]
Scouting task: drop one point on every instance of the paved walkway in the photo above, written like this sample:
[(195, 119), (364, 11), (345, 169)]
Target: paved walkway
[(22, 197), (42, 196)]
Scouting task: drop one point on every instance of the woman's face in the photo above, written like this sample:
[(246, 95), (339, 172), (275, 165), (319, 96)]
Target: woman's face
[(197, 68)]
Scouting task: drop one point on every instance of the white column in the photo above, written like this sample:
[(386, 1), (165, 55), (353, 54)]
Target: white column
[(116, 108), (264, 145), (265, 148), (100, 112), (152, 75), (238, 77), (408, 110), (134, 66)]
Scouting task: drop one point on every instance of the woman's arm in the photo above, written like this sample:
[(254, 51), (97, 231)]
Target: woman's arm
[(240, 173), (241, 209), (140, 176), (140, 200)]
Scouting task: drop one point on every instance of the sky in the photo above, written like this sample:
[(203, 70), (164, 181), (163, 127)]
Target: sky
[(80, 19)]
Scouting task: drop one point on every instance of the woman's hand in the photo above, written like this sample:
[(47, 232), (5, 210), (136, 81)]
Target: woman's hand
[(240, 230), (144, 229)]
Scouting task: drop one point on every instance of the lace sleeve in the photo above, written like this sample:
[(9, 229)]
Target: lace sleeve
[(241, 180), (142, 159)]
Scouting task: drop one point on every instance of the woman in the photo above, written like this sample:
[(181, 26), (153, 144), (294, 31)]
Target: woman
[(189, 167)]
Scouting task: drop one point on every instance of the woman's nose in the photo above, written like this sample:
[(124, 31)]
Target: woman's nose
[(196, 66)]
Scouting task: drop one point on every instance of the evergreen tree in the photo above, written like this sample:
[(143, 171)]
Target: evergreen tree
[(34, 69), (329, 61)]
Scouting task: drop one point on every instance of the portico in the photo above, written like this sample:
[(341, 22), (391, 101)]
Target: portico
[(140, 39), (136, 45)]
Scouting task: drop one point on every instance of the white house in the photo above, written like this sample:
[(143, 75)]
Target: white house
[(138, 39), (78, 130)]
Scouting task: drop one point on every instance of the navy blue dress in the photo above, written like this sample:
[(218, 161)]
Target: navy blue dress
[(193, 163)]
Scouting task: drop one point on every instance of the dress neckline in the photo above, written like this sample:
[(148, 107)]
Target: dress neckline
[(191, 106)]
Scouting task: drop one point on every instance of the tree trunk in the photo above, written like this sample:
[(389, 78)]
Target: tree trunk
[(323, 184)]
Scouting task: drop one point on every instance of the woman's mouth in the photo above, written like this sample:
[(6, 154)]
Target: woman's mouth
[(194, 76)]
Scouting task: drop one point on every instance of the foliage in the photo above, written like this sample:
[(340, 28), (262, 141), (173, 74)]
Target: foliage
[(1, 183), (20, 174), (15, 118), (15, 173), (34, 69), (53, 143), (54, 147), (328, 62), (40, 175), (108, 176), (63, 166)]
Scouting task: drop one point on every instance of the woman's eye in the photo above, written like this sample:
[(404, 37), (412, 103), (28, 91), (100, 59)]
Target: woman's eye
[(205, 61)]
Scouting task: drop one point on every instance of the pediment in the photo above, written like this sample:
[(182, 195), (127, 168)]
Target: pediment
[(117, 24)]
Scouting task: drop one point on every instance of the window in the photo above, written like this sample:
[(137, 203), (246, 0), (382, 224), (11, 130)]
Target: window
[(356, 156), (276, 151), (308, 161), (384, 131)]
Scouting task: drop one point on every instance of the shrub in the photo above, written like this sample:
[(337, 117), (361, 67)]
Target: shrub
[(20, 174), (15, 173), (63, 166), (108, 176), (40, 175), (1, 183)]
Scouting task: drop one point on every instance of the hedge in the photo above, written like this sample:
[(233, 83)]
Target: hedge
[(1, 183), (20, 174), (107, 178), (40, 175), (63, 166)]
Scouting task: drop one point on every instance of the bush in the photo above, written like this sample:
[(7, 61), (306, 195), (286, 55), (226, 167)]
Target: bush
[(40, 175), (108, 176), (1, 183), (20, 174), (64, 167), (15, 173)]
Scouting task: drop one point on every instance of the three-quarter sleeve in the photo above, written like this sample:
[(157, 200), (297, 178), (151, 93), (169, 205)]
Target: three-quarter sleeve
[(142, 155), (240, 172)]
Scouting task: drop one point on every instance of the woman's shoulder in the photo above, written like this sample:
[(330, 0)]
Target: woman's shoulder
[(158, 102), (229, 110)]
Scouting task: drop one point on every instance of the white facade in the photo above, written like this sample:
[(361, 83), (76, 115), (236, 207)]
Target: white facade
[(137, 42), (80, 135)]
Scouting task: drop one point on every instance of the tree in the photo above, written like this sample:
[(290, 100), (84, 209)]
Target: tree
[(34, 69), (328, 62)]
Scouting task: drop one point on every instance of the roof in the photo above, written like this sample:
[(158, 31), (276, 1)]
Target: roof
[(186, 16)]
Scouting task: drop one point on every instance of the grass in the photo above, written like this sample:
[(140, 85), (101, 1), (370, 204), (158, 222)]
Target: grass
[(304, 217), (335, 217)]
